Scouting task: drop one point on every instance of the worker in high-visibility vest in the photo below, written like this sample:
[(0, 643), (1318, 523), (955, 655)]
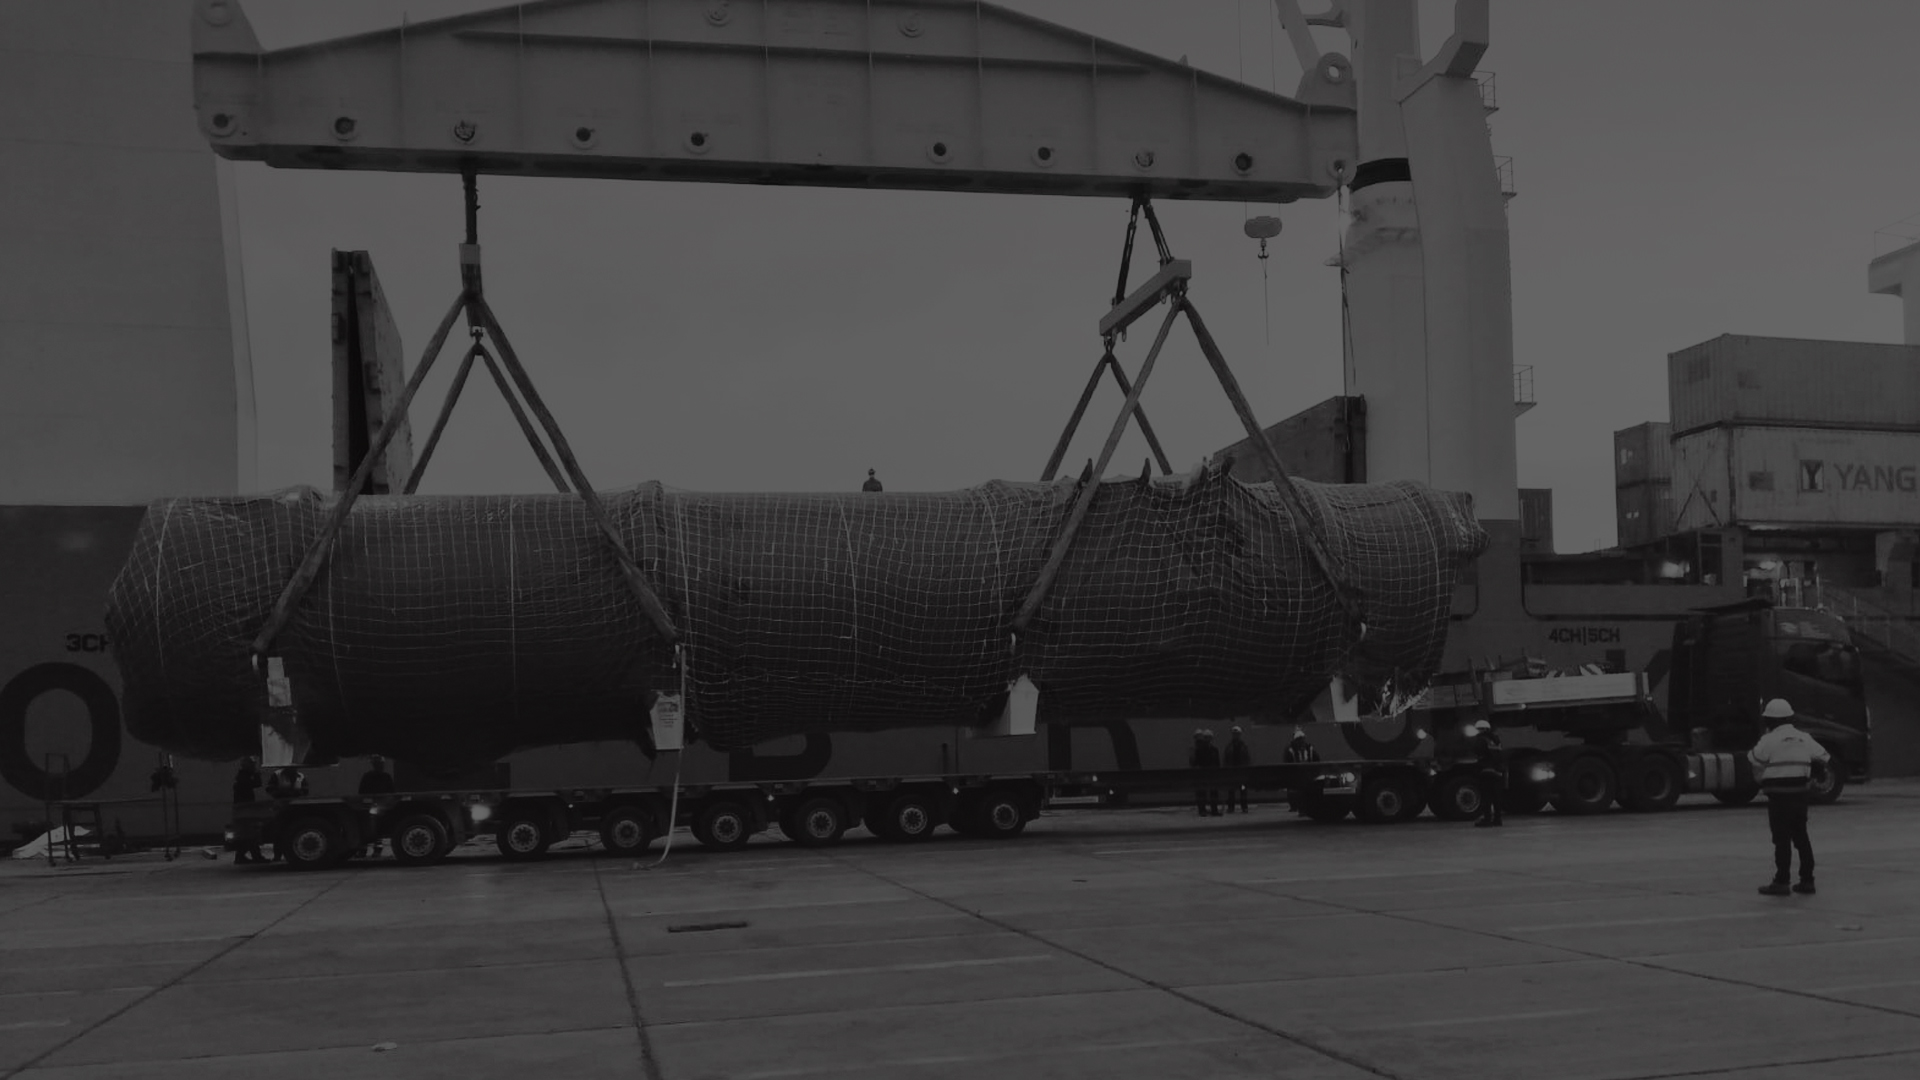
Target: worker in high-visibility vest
[(1786, 761)]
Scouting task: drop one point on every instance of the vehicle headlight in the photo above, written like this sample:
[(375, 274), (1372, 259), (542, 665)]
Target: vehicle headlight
[(1348, 779)]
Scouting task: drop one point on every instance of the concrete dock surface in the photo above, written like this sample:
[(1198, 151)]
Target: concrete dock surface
[(1104, 943)]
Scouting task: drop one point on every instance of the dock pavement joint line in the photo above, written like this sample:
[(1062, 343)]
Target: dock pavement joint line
[(1647, 964), (238, 941), (885, 969), (1723, 1071), (1174, 992), (649, 1064), (973, 1059)]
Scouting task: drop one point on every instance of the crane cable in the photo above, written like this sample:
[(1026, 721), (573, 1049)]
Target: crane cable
[(1349, 373)]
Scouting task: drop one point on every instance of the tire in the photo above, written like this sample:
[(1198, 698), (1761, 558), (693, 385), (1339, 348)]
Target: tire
[(314, 842), (420, 840), (1001, 815), (1457, 798), (906, 818), (1824, 792), (816, 822), (1738, 796), (723, 825), (1326, 809), (524, 835), (627, 830), (965, 818), (1386, 799), (1653, 783), (1587, 786)]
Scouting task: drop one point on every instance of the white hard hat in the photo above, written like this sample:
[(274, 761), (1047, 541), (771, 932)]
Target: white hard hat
[(1236, 729), (1778, 709), (1482, 725)]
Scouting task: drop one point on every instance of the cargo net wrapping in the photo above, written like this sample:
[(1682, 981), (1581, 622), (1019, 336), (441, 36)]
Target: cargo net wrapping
[(457, 629)]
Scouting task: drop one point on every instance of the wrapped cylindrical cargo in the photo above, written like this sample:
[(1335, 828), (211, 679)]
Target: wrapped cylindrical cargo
[(1796, 476), (460, 628), (1643, 452), (1644, 512), (1788, 381)]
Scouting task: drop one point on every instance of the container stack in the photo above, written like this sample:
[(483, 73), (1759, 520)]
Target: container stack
[(1791, 434), (1643, 483)]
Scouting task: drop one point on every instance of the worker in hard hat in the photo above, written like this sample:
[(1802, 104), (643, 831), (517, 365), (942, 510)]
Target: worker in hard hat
[(872, 484), (1238, 755), (1300, 749), (1490, 762), (1786, 761), (1205, 756)]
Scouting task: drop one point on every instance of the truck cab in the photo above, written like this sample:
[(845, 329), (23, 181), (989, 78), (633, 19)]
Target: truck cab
[(1728, 661)]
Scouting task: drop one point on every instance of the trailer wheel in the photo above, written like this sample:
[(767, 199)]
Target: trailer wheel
[(907, 817), (1652, 783), (626, 830), (1587, 786), (723, 825), (523, 835), (1000, 815), (1457, 798), (1523, 799), (965, 818), (1737, 796), (1524, 792), (1827, 790), (420, 840), (1325, 809), (816, 822), (313, 843), (1387, 798)]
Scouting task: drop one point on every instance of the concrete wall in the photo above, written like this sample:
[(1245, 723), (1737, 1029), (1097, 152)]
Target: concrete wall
[(120, 309)]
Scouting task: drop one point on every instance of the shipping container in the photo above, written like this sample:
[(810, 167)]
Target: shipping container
[(1536, 520), (1643, 512), (1643, 452), (1796, 476), (1789, 381)]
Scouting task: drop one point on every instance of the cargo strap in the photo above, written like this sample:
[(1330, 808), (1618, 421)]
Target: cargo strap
[(1170, 284), (482, 323)]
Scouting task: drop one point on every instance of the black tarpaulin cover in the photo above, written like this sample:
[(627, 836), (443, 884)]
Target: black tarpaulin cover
[(447, 629)]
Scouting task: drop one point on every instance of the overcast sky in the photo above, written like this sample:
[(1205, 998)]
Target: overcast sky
[(1685, 168)]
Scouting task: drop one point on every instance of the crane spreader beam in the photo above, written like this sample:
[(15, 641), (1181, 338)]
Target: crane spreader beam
[(928, 95)]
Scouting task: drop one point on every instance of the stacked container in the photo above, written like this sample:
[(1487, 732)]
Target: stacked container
[(1798, 434), (1643, 483)]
